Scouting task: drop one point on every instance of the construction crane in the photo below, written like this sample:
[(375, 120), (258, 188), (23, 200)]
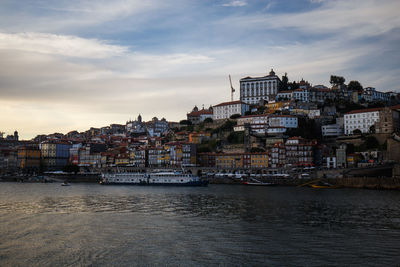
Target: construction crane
[(232, 89)]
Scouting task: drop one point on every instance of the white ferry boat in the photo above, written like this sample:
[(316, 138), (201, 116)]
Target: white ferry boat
[(155, 178)]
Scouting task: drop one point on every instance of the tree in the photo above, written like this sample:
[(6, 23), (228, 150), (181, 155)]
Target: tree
[(357, 131), (355, 86), (235, 116), (185, 122), (293, 86), (337, 80), (235, 138), (372, 129), (208, 120), (284, 84)]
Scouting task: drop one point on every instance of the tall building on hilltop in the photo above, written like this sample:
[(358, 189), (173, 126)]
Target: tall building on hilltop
[(254, 89)]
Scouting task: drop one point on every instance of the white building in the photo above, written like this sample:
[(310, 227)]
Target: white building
[(370, 94), (254, 89), (361, 119), (286, 121), (258, 123), (331, 130), (227, 109), (301, 95), (284, 95), (276, 130)]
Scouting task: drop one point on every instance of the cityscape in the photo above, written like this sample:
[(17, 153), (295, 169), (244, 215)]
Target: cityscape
[(199, 133), (275, 125)]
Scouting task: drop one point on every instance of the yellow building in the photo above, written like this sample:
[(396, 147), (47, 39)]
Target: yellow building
[(197, 138), (28, 157), (259, 160), (274, 106), (122, 159), (229, 160)]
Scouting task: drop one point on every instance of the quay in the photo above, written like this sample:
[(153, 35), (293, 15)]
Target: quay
[(378, 177)]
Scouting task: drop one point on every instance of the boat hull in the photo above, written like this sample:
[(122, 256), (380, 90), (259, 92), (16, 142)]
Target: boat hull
[(259, 184), (193, 183)]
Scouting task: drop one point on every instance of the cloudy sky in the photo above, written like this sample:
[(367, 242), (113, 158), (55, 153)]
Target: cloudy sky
[(73, 64)]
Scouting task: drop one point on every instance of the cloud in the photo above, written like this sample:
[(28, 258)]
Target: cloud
[(353, 19), (63, 45), (75, 64), (235, 3)]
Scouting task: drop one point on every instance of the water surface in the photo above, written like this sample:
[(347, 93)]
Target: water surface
[(219, 225)]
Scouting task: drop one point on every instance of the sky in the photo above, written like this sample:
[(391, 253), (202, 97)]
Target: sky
[(74, 64)]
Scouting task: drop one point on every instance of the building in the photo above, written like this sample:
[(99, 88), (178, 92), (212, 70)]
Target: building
[(301, 95), (54, 154), (189, 153), (197, 138), (206, 159), (175, 153), (254, 89), (284, 95), (371, 95), (331, 130), (257, 123), (196, 116), (320, 94), (29, 158), (139, 157), (379, 120), (227, 109), (361, 119), (389, 121), (287, 121), (241, 160), (273, 106), (299, 152), (341, 157), (157, 127), (136, 127)]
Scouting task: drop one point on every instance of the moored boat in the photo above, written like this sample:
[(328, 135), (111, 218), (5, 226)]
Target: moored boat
[(155, 178)]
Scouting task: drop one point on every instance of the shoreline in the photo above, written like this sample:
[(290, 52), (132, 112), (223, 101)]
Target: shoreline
[(379, 183)]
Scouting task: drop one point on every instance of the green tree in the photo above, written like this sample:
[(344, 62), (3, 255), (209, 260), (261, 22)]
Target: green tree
[(236, 137), (235, 116), (284, 84), (355, 86), (337, 80), (185, 122), (208, 120), (372, 129), (357, 131)]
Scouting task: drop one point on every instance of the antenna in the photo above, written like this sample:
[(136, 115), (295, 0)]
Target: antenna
[(232, 89)]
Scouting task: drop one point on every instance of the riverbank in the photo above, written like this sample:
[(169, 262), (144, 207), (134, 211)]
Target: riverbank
[(390, 183), (348, 182)]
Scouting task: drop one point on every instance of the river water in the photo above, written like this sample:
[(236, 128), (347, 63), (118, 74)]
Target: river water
[(218, 225)]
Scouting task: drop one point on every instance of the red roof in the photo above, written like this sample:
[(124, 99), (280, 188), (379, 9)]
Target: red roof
[(251, 116), (200, 112), (230, 103), (289, 116), (364, 110)]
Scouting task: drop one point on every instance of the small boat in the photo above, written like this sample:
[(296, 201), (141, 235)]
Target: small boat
[(65, 183), (324, 186)]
